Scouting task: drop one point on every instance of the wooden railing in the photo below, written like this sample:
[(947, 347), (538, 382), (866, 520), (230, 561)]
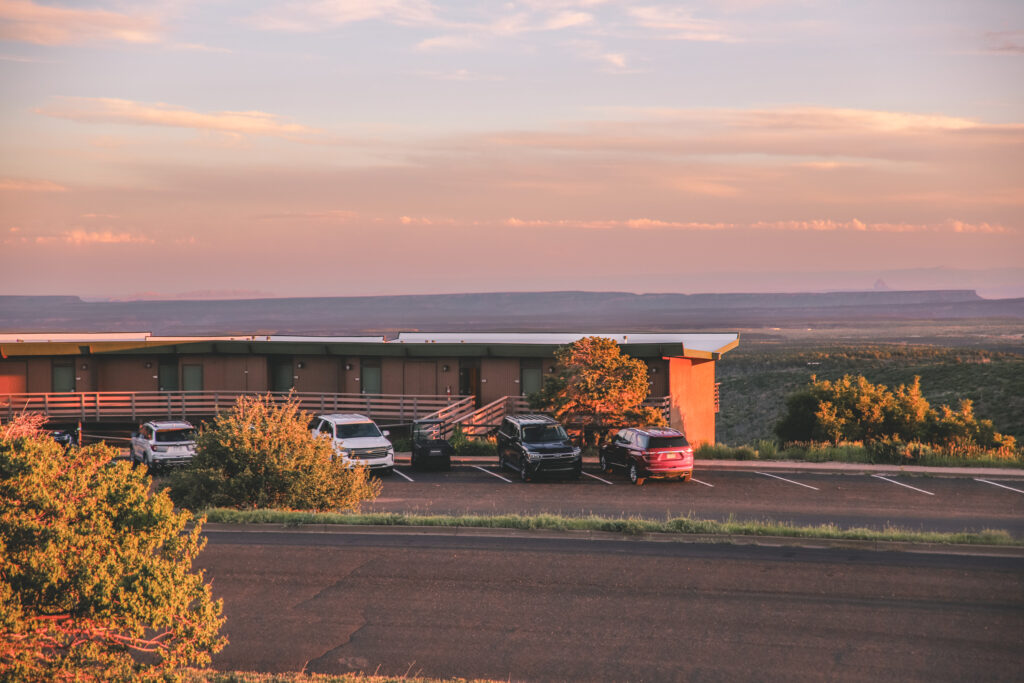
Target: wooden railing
[(486, 419), (662, 403), (138, 406)]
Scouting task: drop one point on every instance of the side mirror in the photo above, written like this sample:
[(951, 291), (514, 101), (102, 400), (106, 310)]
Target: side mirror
[(386, 433)]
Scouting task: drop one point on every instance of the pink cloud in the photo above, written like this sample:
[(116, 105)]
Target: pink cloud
[(78, 237), (110, 110), (28, 22), (15, 185)]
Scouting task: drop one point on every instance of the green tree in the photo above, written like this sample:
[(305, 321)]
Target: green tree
[(261, 454), (596, 388), (96, 579)]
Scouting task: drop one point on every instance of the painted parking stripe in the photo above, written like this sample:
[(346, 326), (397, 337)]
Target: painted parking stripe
[(1008, 488), (598, 478), (806, 486), (491, 473), (906, 486), (402, 474), (702, 482)]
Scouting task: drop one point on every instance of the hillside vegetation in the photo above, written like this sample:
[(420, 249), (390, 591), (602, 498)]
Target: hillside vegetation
[(756, 378)]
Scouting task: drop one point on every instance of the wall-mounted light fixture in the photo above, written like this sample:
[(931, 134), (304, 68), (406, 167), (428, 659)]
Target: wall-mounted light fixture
[(85, 366), (551, 368), (348, 366), (300, 365), (654, 371), (445, 368), (149, 364)]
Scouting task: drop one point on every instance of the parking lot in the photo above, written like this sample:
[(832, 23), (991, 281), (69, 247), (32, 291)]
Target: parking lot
[(848, 500)]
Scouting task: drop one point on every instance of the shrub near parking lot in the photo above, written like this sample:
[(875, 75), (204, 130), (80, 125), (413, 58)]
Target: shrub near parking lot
[(260, 454), (96, 579)]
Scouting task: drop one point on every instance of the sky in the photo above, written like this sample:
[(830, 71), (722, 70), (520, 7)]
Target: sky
[(224, 148)]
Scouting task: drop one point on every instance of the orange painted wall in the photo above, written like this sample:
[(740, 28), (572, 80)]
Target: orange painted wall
[(692, 387), (13, 377)]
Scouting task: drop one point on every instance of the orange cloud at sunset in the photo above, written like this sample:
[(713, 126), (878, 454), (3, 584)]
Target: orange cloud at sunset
[(110, 110), (26, 21)]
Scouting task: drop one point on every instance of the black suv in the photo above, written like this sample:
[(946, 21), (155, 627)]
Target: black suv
[(535, 444)]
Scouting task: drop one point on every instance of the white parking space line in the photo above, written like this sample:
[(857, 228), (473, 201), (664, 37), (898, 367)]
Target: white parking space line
[(702, 482), (588, 474), (491, 473), (401, 474), (1008, 488), (806, 486), (906, 486)]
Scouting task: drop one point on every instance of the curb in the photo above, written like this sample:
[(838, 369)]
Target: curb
[(646, 537), (795, 466)]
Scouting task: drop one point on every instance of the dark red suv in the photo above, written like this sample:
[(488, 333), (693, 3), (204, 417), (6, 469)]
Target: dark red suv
[(655, 452)]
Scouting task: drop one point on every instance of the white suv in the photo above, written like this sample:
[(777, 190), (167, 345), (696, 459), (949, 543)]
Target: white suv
[(357, 439), (157, 444)]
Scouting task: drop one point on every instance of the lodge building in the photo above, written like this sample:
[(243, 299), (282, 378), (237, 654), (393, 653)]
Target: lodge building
[(465, 376)]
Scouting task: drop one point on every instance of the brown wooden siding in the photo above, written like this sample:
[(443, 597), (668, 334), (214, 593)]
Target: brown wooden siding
[(128, 373), (40, 375), (392, 376), (498, 377), (420, 377), (318, 374)]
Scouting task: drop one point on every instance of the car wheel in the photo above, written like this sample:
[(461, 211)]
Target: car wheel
[(501, 462), (524, 474), (634, 475), (414, 462), (387, 471), (605, 467), (579, 472)]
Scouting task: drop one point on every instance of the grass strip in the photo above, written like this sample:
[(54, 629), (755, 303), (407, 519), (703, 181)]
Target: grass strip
[(632, 525)]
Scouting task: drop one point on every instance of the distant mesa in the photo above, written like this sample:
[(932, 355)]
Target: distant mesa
[(499, 311), (880, 285)]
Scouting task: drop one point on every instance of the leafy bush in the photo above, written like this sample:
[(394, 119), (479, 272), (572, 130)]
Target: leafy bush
[(477, 448), (261, 454), (852, 409), (95, 570)]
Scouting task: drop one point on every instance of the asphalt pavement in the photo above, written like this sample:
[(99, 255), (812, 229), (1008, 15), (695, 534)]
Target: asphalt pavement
[(873, 498), (552, 609)]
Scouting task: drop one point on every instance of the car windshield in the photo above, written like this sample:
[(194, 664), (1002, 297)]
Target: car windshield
[(357, 430), (175, 435), (539, 433), (667, 442)]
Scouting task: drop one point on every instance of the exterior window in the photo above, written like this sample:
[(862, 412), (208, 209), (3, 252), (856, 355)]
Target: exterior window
[(192, 377), (168, 375), (531, 376), (281, 375), (369, 376), (63, 376)]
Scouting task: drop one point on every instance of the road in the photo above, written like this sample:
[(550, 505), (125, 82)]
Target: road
[(848, 500), (565, 609)]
